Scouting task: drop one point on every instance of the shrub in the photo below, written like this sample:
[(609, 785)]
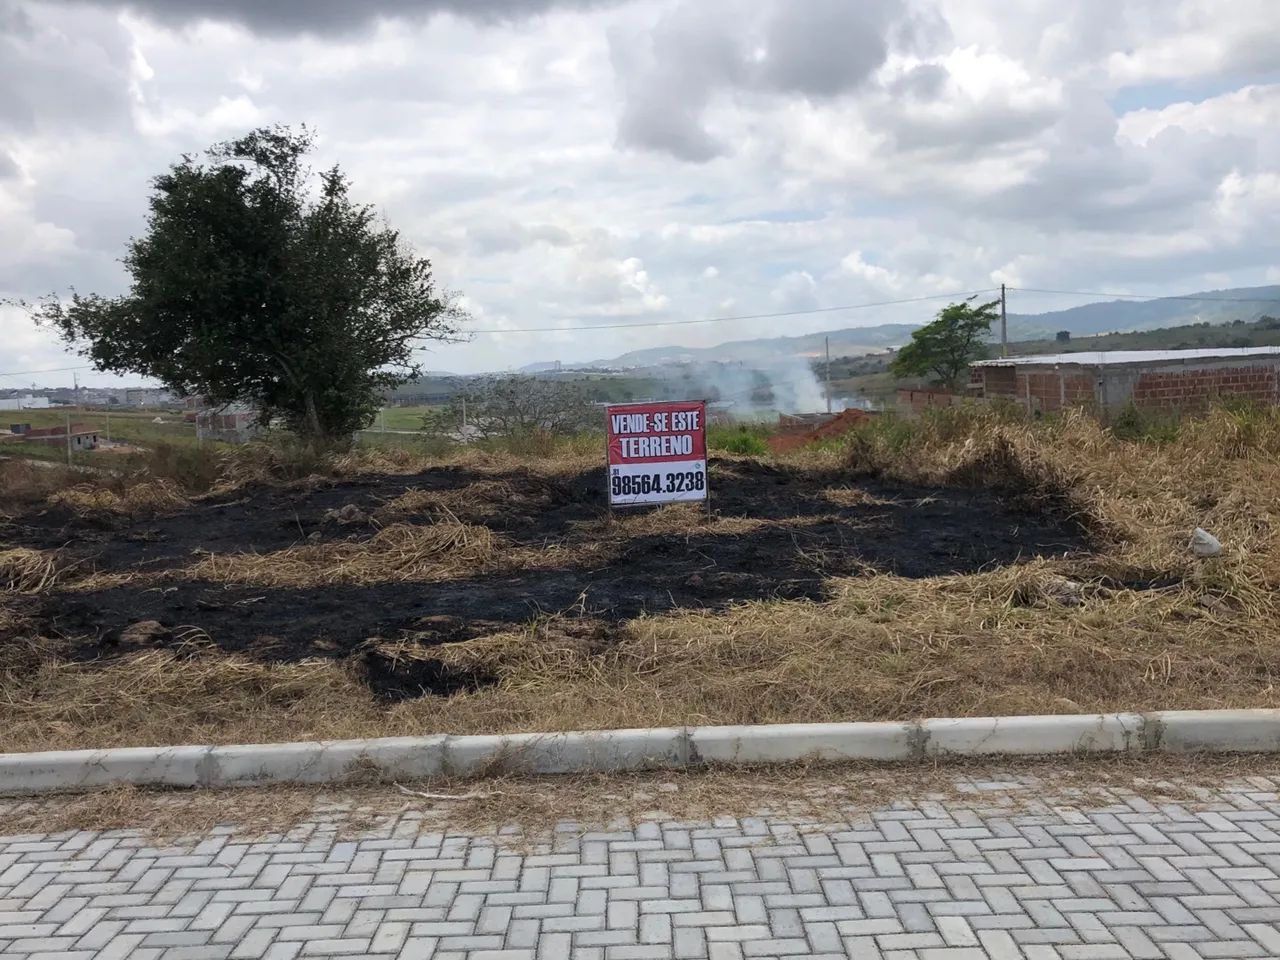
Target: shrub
[(1144, 426), (743, 439)]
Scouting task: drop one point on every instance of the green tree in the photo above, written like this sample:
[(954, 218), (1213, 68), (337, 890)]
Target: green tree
[(944, 348), (511, 405), (257, 282)]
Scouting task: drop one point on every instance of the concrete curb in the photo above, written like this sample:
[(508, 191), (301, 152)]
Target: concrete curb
[(663, 748)]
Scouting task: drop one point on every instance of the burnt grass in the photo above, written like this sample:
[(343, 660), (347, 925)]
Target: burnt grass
[(910, 531)]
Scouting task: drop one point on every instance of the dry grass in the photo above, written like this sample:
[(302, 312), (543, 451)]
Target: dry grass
[(809, 797), (284, 462), (677, 519), (146, 497), (851, 497), (28, 571), (163, 815), (1141, 624), (193, 695), (23, 482), (482, 498), (397, 553)]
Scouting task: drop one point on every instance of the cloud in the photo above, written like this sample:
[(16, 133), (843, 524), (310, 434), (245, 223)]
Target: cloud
[(670, 72), (567, 165), (825, 47), (61, 67), (291, 17), (495, 237), (1200, 38), (797, 290)]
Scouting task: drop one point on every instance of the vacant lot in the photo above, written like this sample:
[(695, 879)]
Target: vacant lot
[(961, 566), (123, 426)]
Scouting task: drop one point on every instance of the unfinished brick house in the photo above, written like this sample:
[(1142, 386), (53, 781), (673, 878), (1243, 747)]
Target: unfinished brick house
[(1150, 379), (82, 437)]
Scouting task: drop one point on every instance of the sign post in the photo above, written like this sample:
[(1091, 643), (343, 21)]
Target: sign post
[(657, 452)]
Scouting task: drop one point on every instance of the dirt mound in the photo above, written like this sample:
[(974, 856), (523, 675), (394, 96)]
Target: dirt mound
[(795, 437)]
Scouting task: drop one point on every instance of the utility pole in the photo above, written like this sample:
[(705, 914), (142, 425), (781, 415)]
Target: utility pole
[(75, 396), (1004, 326), (827, 342), (464, 414)]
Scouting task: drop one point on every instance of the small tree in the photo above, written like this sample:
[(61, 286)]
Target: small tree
[(254, 284), (944, 348), (515, 406)]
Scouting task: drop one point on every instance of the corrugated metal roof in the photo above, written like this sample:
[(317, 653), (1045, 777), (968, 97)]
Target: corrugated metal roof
[(1096, 358)]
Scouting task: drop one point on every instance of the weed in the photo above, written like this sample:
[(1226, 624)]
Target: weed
[(1138, 425), (743, 439)]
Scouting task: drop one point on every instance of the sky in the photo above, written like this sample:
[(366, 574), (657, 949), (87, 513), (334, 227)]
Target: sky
[(581, 164)]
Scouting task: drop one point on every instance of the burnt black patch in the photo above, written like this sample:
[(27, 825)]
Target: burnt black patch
[(872, 525)]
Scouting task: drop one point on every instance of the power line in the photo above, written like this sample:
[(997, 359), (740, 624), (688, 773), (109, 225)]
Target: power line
[(753, 316), (791, 313), (1147, 297), (23, 373)]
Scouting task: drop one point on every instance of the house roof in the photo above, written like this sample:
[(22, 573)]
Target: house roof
[(77, 430), (1105, 357)]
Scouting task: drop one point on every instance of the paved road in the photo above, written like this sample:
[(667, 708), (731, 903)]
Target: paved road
[(962, 878)]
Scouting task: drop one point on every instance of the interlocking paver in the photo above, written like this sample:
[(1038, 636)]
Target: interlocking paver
[(1118, 878)]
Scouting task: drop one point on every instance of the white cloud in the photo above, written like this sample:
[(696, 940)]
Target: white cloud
[(877, 276), (1201, 37), (576, 164), (1252, 111), (795, 291)]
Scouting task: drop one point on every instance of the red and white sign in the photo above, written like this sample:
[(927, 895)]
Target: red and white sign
[(657, 452)]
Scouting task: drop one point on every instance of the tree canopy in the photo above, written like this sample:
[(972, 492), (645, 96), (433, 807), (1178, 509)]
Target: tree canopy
[(514, 406), (944, 348), (259, 282)]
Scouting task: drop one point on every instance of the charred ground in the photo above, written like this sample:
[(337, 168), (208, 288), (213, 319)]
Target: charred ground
[(807, 526)]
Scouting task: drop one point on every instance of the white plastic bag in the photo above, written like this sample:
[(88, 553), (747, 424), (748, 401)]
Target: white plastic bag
[(1204, 544)]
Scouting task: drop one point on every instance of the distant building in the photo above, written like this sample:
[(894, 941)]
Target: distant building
[(1109, 380), (82, 437), (232, 422), (146, 397), (26, 402)]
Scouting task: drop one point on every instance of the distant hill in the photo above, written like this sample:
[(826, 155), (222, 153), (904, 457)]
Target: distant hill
[(1086, 320), (1124, 316), (1236, 333), (854, 340)]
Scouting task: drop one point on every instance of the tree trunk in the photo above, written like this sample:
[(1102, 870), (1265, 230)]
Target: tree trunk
[(312, 421)]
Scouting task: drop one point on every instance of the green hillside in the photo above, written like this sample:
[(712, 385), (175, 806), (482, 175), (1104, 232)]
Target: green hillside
[(1264, 332)]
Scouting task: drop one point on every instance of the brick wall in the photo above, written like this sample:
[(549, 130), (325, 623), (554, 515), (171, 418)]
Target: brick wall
[(997, 381), (1197, 387), (917, 401), (1188, 384), (1048, 390)]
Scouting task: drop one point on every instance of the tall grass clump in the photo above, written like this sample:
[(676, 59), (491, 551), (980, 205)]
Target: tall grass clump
[(543, 444), (743, 439)]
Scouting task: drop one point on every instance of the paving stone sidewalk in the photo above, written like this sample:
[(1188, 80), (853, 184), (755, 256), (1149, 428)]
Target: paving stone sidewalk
[(964, 878)]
